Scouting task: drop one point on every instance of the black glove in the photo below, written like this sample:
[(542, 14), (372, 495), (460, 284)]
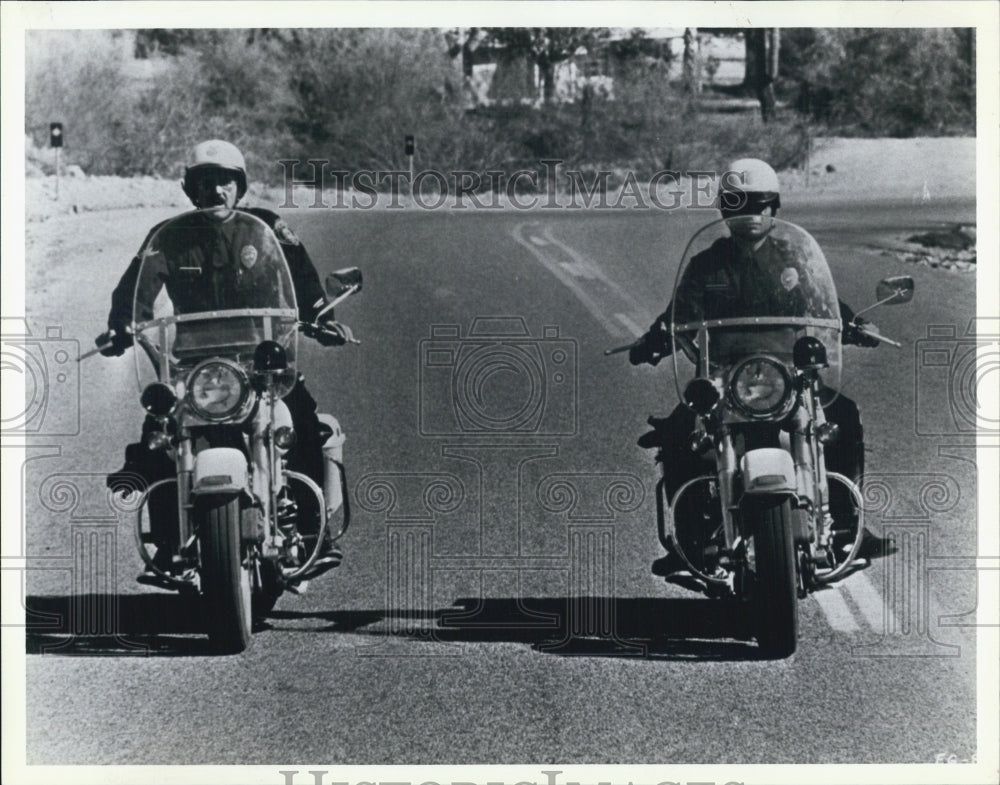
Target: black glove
[(331, 333), (639, 353), (855, 335), (115, 341), (651, 347)]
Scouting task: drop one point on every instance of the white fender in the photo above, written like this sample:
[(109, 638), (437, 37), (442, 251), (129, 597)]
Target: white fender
[(333, 454), (220, 470), (282, 415), (768, 470)]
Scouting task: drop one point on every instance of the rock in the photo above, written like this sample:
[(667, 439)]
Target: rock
[(952, 238), (969, 230), (831, 168)]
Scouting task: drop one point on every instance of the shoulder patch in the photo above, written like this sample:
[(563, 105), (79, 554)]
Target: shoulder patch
[(284, 233)]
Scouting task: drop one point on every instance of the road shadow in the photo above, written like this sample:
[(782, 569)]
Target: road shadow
[(875, 547), (638, 627), (159, 624)]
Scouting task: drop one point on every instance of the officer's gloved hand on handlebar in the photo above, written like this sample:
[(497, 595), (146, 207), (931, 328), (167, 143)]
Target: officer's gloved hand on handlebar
[(116, 340), (854, 334), (651, 347), (332, 333)]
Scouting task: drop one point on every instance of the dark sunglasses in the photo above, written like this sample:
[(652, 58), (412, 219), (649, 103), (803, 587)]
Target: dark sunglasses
[(734, 204), (213, 179)]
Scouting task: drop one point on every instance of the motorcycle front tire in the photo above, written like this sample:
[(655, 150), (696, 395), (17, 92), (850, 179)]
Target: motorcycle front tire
[(775, 585), (225, 580)]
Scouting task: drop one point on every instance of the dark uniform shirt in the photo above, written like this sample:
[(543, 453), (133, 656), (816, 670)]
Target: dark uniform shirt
[(201, 275), (729, 281)]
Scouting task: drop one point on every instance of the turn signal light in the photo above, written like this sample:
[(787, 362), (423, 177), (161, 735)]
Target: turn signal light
[(284, 437), (700, 442), (157, 440), (158, 399), (809, 353), (701, 396), (269, 356), (827, 432)]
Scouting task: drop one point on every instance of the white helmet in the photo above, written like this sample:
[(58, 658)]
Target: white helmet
[(215, 154), (748, 187)]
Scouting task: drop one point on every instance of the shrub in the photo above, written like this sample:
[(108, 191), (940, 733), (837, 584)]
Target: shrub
[(886, 82), (79, 78)]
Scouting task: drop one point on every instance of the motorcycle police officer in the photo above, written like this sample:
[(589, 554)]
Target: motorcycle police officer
[(216, 178), (737, 273)]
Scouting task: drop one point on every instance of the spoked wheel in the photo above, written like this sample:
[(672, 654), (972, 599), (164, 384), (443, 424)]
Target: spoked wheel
[(775, 590), (225, 579)]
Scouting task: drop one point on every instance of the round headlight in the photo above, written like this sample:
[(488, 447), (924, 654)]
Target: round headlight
[(217, 390), (760, 387)]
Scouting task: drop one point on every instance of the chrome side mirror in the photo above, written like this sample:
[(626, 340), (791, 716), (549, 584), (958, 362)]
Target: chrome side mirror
[(895, 290), (339, 282)]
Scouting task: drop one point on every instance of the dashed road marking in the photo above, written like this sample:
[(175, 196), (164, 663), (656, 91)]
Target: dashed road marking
[(577, 270), (836, 610), (571, 282), (632, 327), (870, 603), (602, 297)]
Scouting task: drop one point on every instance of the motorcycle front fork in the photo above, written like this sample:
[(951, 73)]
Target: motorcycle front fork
[(813, 535)]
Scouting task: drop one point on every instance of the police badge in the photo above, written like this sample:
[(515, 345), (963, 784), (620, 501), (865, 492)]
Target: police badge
[(248, 255), (789, 278)]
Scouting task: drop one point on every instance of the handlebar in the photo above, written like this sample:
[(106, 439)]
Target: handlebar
[(314, 330), (860, 328), (620, 349), (877, 336), (100, 348), (311, 329)]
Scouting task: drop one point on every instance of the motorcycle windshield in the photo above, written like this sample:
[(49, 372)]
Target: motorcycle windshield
[(750, 286), (212, 283)]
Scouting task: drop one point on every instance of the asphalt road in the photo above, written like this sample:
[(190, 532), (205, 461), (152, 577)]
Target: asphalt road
[(496, 604)]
